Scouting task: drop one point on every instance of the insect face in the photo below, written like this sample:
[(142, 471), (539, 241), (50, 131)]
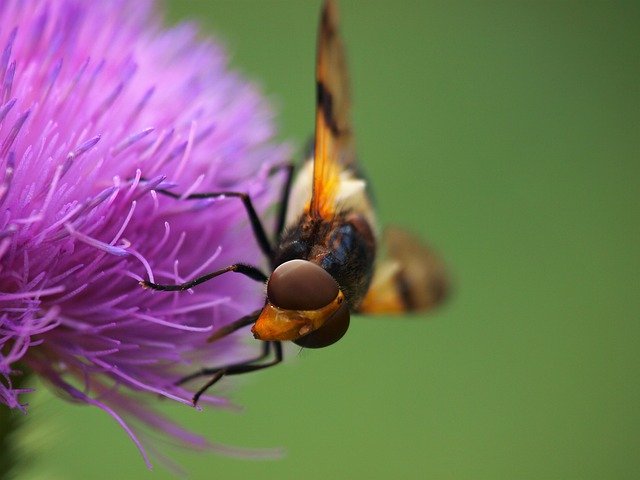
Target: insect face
[(304, 304)]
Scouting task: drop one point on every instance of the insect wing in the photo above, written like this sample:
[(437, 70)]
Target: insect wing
[(411, 277), (333, 148)]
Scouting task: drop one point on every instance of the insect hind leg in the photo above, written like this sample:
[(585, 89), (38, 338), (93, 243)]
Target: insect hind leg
[(250, 365), (284, 199)]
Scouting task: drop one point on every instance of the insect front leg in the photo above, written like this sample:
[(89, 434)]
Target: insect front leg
[(247, 270)]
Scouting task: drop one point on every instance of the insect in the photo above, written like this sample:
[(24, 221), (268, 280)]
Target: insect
[(323, 261)]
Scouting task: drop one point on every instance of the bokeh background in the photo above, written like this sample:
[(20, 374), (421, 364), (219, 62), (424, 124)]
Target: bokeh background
[(508, 135)]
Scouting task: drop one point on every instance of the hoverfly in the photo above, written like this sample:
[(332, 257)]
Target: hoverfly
[(323, 264)]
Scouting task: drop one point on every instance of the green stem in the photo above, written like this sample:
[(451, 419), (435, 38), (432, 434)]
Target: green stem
[(10, 421)]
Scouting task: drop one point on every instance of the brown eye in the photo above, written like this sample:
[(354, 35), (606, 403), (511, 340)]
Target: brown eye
[(332, 331), (301, 285)]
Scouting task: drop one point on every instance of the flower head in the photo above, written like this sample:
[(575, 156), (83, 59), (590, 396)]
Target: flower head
[(99, 108)]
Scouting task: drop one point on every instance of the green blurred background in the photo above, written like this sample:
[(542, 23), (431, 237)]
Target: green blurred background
[(507, 133)]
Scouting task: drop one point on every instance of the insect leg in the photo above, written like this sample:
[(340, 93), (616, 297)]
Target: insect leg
[(284, 199), (203, 372), (235, 369), (248, 270), (234, 326), (256, 224), (249, 367)]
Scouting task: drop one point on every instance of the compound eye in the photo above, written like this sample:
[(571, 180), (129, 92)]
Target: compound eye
[(301, 285), (332, 331)]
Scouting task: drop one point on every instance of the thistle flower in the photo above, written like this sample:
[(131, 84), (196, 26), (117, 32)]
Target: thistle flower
[(99, 108)]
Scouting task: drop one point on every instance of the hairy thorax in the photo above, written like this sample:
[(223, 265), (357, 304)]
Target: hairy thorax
[(344, 247)]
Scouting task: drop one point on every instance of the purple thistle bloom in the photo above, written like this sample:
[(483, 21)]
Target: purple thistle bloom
[(99, 106)]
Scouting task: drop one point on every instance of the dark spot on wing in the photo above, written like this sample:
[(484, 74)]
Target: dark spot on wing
[(404, 289), (325, 104), (327, 24)]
